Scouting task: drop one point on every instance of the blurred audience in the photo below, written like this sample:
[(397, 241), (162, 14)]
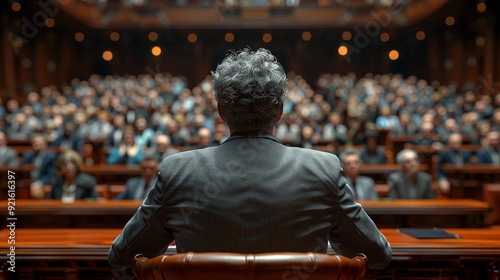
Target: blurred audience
[(410, 182), (8, 156), (138, 187), (362, 186), (162, 148), (452, 154), (490, 153), (371, 152), (43, 161), (127, 152), (71, 183)]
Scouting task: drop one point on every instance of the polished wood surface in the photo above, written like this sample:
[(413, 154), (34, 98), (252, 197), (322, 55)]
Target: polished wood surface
[(82, 254), (95, 243), (467, 180), (115, 213), (380, 207)]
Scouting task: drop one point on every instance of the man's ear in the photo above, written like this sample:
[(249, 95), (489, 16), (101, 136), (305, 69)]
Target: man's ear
[(220, 112)]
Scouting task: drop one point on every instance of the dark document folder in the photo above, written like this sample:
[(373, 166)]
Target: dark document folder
[(428, 233)]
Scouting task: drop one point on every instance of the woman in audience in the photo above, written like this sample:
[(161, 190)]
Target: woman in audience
[(71, 183), (128, 152)]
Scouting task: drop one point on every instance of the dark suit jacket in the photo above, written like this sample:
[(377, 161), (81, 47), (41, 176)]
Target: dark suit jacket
[(131, 186), (47, 168), (484, 155), (400, 186), (250, 194), (85, 187), (448, 156)]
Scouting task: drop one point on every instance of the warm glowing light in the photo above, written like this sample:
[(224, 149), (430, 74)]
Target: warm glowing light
[(481, 7), (449, 21), (107, 55), (394, 54), (306, 36), (152, 36), (16, 6), (156, 51), (50, 22), (420, 35), (480, 41), (79, 36), (229, 37), (114, 36), (266, 38), (384, 37), (343, 50), (192, 38), (346, 35)]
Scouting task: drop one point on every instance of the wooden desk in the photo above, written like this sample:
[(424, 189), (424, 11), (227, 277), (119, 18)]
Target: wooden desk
[(22, 181), (115, 213), (76, 250), (114, 174), (467, 181)]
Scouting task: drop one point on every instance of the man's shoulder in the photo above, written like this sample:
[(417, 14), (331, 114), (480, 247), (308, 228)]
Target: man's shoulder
[(365, 179), (425, 175), (311, 154)]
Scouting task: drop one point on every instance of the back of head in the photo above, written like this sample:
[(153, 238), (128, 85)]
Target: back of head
[(250, 87)]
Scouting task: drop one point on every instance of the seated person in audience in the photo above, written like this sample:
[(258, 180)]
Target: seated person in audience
[(144, 136), (128, 152), (371, 152), (204, 137), (71, 183), (451, 155), (334, 130), (491, 153), (426, 136), (8, 156), (163, 148), (450, 126), (387, 120), (251, 194), (138, 187), (43, 161), (410, 182), (308, 138), (406, 126), (362, 186)]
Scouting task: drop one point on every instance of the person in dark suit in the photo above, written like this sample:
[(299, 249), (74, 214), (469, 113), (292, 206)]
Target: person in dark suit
[(71, 183), (451, 155), (491, 153), (8, 156), (42, 161), (138, 187), (371, 152), (251, 193), (362, 186), (410, 182)]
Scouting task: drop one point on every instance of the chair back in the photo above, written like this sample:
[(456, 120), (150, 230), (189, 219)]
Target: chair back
[(263, 266)]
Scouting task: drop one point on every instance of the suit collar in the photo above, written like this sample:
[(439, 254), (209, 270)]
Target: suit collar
[(251, 134)]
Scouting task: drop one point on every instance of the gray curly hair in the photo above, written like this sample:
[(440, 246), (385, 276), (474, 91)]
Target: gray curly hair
[(250, 87)]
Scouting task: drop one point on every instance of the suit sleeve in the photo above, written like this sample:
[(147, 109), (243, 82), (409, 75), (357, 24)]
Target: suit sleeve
[(145, 233), (353, 231)]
